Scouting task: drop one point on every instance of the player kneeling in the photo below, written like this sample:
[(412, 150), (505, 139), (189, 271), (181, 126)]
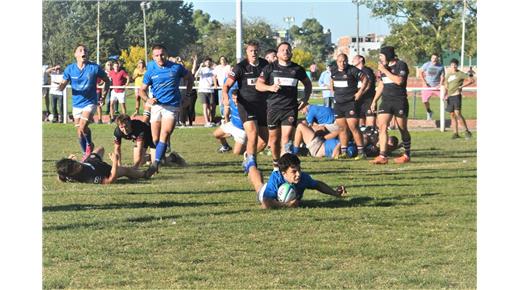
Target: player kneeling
[(289, 172), (94, 170)]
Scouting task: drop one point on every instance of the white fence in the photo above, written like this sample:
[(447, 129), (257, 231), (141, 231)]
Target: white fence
[(314, 89)]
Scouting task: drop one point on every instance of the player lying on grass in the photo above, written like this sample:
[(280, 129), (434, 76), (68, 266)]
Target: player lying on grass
[(95, 170), (371, 139), (290, 172), (319, 143)]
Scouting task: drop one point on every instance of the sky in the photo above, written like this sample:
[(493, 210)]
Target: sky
[(338, 16)]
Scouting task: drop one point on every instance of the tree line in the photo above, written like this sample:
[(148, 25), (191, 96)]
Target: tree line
[(418, 28)]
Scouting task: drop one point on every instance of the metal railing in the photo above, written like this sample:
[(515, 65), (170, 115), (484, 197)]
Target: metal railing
[(314, 89)]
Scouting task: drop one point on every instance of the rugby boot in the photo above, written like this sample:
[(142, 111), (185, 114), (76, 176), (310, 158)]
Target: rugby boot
[(379, 160), (402, 159)]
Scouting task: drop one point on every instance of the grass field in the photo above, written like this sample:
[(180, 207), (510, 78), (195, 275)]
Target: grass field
[(408, 226)]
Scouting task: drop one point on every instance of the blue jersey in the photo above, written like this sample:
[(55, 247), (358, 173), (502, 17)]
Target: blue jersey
[(165, 82), (320, 115), (330, 144), (276, 179), (83, 83), (234, 115)]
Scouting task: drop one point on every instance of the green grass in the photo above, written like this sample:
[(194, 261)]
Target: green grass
[(408, 226)]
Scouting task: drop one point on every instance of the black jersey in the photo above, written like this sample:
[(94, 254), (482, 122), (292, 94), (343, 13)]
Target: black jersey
[(287, 77), (140, 132), (392, 90), (371, 91), (93, 170), (246, 74), (345, 83)]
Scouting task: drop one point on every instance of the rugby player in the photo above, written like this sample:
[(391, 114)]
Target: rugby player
[(137, 131), (392, 89), (318, 143), (454, 83), (280, 80), (289, 171), (163, 77), (366, 115), (82, 77), (94, 170), (344, 85), (270, 55), (251, 103)]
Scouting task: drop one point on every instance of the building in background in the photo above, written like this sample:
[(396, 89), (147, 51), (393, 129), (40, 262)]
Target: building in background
[(349, 44)]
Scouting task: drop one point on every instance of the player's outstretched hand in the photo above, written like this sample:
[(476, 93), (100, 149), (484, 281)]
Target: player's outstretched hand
[(342, 191), (293, 203), (73, 157)]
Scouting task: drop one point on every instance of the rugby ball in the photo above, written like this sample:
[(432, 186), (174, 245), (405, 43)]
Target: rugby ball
[(286, 192)]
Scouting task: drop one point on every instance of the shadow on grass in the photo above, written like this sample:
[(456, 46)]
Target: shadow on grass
[(129, 222), (162, 204), (366, 201), (209, 192)]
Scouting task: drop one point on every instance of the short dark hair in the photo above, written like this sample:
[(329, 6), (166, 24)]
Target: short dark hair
[(252, 43), (361, 57), (436, 54), (207, 58), (234, 92), (270, 50), (288, 160), (123, 118), (64, 167), (282, 43), (455, 61), (158, 46), (78, 45)]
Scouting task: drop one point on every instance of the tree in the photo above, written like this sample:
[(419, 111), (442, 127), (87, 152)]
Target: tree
[(131, 56), (66, 23), (302, 57), (310, 37), (420, 28)]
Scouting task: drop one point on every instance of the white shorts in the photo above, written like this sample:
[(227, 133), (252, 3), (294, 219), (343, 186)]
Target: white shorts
[(331, 127), (160, 112), (238, 134), (78, 112), (260, 193), (120, 97)]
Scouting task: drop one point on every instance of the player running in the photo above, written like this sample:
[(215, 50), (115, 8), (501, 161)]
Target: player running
[(251, 103), (163, 76), (82, 77), (392, 88), (280, 80), (347, 96)]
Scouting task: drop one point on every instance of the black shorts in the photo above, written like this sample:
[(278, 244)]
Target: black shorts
[(250, 111), (364, 109), (454, 103), (347, 110), (281, 117), (396, 107), (206, 98)]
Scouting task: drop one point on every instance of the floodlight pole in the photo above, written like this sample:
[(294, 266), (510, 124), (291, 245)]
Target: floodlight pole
[(463, 34), (357, 24), (238, 37), (97, 44), (145, 5)]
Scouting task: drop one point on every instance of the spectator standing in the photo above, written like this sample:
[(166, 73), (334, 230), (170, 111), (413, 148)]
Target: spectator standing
[(138, 81), (432, 75), (207, 81), (119, 78), (108, 68), (221, 71), (45, 91), (314, 72), (324, 82), (56, 96)]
